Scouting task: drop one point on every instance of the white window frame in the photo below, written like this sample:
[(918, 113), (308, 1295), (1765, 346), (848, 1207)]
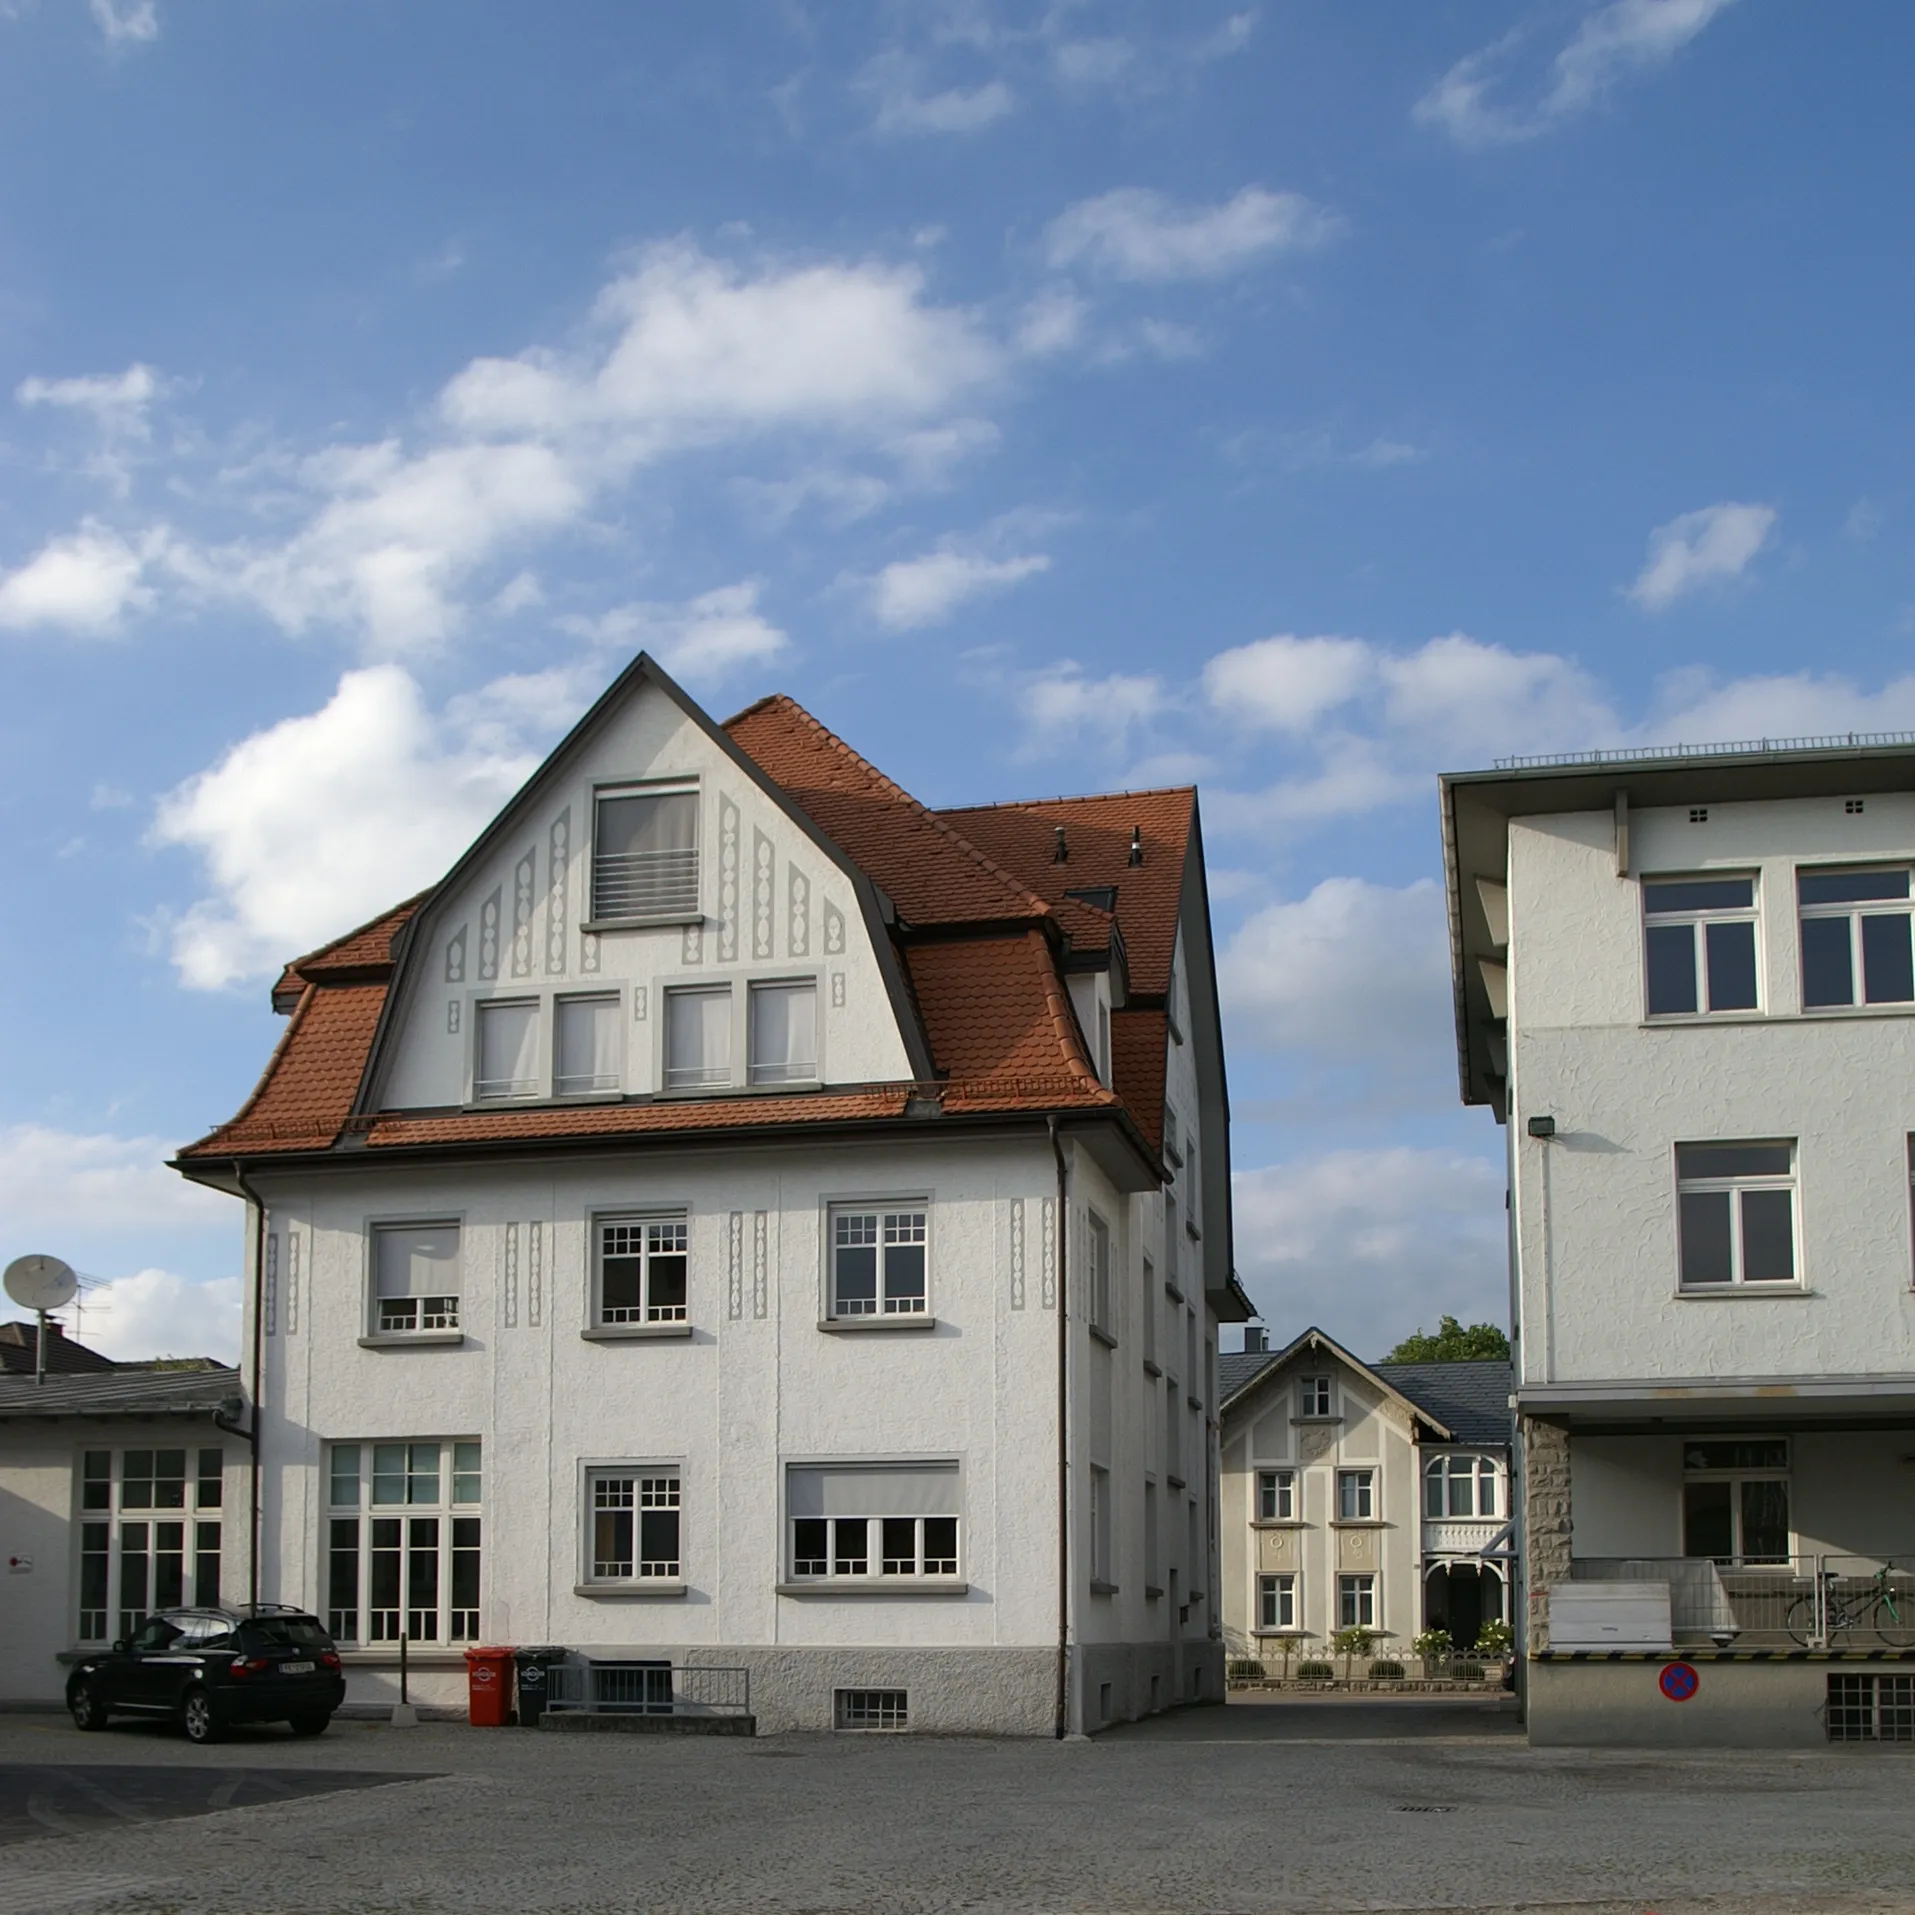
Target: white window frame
[(449, 1610), (1316, 1398), (1277, 1495), (1448, 1468), (796, 980), (1101, 1300), (1736, 1475), (1357, 1591), (938, 1557), (596, 1088), (118, 1517), (887, 1214), (1735, 1186), (1696, 922), (647, 1314), (1854, 910), (678, 912), (655, 1489), (441, 1324), (1360, 1486), (704, 1084), (1277, 1604), (517, 1090)]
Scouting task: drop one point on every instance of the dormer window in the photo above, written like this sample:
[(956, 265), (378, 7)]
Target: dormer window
[(645, 855), (587, 1036), (784, 1033), (1313, 1396), (697, 1038), (508, 1050)]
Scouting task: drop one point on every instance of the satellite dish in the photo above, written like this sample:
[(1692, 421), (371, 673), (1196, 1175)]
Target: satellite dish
[(40, 1283)]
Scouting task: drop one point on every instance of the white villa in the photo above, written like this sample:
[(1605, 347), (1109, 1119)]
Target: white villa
[(1685, 984), (743, 1217)]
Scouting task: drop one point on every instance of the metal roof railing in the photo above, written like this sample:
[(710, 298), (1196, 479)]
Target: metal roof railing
[(1736, 748)]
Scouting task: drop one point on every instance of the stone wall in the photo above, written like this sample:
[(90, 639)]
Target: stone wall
[(1546, 1519)]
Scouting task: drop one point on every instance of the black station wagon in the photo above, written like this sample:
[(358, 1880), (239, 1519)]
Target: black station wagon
[(210, 1668)]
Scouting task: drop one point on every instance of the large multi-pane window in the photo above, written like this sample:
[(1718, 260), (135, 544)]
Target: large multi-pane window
[(1735, 1499), (403, 1542), (634, 1524), (645, 855), (149, 1535), (1460, 1486), (1736, 1208), (878, 1262), (415, 1277), (783, 1038), (1856, 947), (861, 1520), (1277, 1601), (1699, 935), (1356, 1495), (1276, 1495), (642, 1270), (1356, 1602)]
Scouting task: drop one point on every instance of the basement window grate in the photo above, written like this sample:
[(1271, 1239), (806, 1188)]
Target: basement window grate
[(1871, 1709), (873, 1708)]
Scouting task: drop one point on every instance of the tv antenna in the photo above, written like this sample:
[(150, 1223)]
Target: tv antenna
[(40, 1283)]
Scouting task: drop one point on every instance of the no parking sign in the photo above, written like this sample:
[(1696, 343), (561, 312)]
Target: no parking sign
[(1679, 1681)]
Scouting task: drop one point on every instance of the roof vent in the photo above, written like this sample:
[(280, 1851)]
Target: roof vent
[(1062, 855), (1137, 844), (1256, 1340)]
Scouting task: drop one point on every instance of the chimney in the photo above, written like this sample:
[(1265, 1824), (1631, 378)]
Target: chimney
[(1062, 855), (1137, 844), (1256, 1340)]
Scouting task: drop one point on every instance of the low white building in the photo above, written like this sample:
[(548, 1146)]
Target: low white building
[(1361, 1496), (1685, 983), (743, 1216)]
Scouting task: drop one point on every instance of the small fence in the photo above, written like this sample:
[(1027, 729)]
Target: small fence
[(1799, 1602), (656, 1688)]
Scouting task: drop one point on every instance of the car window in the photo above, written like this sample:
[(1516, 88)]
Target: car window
[(156, 1633), (287, 1632)]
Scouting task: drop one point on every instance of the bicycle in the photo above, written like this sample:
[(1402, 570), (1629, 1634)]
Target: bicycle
[(1871, 1609)]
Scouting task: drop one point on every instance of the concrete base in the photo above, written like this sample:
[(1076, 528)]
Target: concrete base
[(1127, 1681), (1737, 1705), (576, 1722)]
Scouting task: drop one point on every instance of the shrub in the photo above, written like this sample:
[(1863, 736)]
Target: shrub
[(1315, 1672), (1386, 1672), (1495, 1639), (1246, 1669), (1353, 1642), (1433, 1645)]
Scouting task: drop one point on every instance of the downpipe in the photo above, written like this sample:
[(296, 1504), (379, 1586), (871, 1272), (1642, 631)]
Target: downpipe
[(1061, 1279), (259, 1373)]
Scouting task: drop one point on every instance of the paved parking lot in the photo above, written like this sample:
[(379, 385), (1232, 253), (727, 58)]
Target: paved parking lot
[(1251, 1808)]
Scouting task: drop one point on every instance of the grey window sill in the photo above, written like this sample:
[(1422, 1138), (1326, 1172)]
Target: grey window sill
[(716, 1093), (857, 1326), (1291, 1634), (1192, 1232), (1171, 1291), (538, 1101), (837, 1586), (1152, 1592), (1316, 1419), (1358, 1522), (1709, 1292), (1176, 1482), (1102, 1335), (637, 1333), (1151, 1368), (1278, 1522), (1195, 1402), (656, 1588), (412, 1340), (598, 926), (385, 1655), (1101, 1588)]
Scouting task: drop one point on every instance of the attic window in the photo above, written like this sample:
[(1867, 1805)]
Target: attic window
[(1104, 896), (645, 855)]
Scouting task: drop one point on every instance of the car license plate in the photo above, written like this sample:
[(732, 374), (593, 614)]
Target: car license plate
[(295, 1668)]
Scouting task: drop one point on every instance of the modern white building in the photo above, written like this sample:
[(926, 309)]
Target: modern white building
[(742, 1216), (1361, 1496), (1685, 984)]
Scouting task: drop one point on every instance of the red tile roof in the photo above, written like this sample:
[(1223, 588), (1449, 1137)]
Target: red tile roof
[(1139, 1043)]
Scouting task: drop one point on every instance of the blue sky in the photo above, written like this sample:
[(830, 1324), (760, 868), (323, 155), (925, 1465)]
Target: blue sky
[(1296, 397)]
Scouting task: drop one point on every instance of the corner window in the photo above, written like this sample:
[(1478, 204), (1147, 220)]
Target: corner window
[(1313, 1396), (1356, 1602), (149, 1535), (1736, 1205), (508, 1050), (1699, 938), (403, 1542), (1097, 1252), (1100, 1557), (1735, 1499), (697, 1038), (1277, 1602), (1855, 938), (415, 1277), (645, 855), (1276, 1495), (879, 1519), (878, 1262), (1356, 1495), (1460, 1486), (634, 1525), (642, 1270), (784, 1033), (587, 1031)]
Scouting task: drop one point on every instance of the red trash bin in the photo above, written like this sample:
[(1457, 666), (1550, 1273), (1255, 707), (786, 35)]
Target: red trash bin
[(488, 1678)]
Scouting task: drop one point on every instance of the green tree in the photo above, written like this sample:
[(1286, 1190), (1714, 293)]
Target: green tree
[(1452, 1343)]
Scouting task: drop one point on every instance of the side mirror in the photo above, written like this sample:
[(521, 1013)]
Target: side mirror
[(121, 1646)]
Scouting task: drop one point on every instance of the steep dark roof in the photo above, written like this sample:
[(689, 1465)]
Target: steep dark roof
[(1235, 1368), (18, 1352), (121, 1393), (1472, 1398)]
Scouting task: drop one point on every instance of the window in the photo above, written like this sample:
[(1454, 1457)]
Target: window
[(877, 1263), (1153, 1544), (1356, 1495), (784, 1033), (1148, 1314), (869, 1709), (1737, 1213), (634, 1518), (875, 1519), (415, 1272), (1459, 1486), (1173, 1431), (1314, 1396), (1277, 1602), (1097, 1250), (1276, 1495), (1699, 939), (697, 1038), (1735, 1499), (1356, 1602), (1855, 938), (1103, 1041), (402, 1533), (642, 1269), (1871, 1708), (508, 1050), (1170, 1241), (149, 1535), (1099, 1525), (645, 855), (1172, 1149), (588, 1045)]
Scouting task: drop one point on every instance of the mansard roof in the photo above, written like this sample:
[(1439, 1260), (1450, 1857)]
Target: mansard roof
[(966, 910)]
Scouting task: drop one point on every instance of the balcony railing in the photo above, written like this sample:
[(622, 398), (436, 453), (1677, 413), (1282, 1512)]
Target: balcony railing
[(1818, 1602), (647, 1687), (644, 884)]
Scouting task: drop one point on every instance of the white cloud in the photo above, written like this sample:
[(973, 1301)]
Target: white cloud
[(155, 1313), (105, 394), (1230, 38), (82, 582), (1093, 62), (1062, 707), (702, 641), (56, 1183), (1136, 234), (1700, 548), (910, 593), (126, 22), (1371, 1244), (1288, 683), (1463, 699), (1613, 41), (1052, 321), (318, 822), (892, 80)]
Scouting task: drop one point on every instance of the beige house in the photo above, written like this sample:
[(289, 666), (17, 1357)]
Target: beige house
[(1360, 1495)]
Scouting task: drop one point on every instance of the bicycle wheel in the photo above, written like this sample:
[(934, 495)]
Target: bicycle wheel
[(1800, 1621), (1894, 1621)]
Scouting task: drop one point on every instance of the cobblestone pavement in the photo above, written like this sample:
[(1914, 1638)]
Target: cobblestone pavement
[(1163, 1817)]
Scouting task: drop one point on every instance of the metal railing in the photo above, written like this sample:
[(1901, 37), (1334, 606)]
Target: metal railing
[(642, 1686), (644, 884), (1797, 1602), (1731, 748)]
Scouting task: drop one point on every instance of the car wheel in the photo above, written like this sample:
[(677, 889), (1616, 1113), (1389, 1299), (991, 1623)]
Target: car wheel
[(314, 1724), (88, 1711), (200, 1719)]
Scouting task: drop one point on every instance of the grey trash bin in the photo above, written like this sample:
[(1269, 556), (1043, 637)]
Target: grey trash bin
[(533, 1683)]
